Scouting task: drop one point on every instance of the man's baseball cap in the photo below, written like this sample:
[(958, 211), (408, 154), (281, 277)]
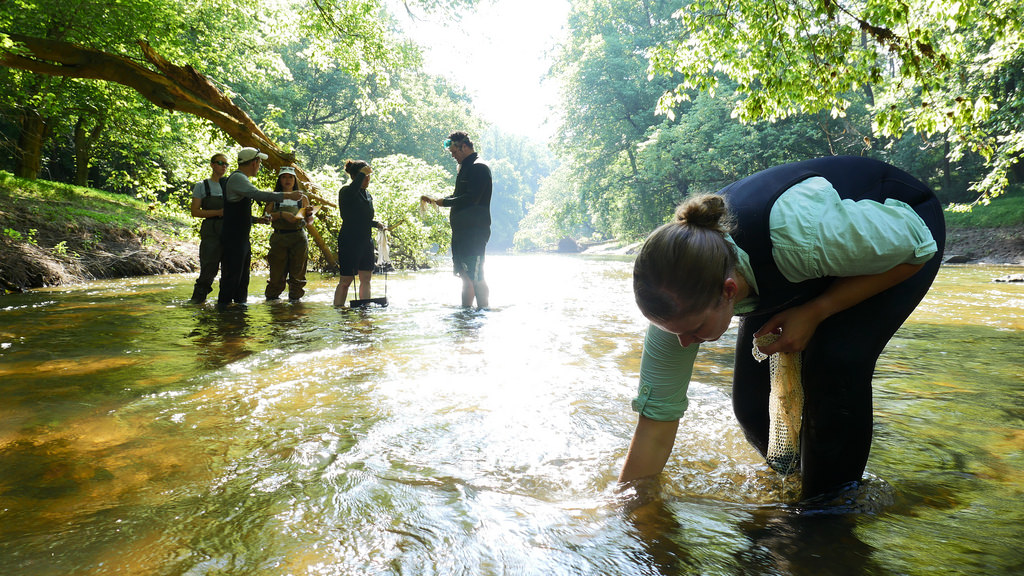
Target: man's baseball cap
[(246, 154)]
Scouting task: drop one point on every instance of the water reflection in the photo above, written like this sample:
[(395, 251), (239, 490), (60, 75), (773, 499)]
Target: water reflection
[(142, 435), (220, 339)]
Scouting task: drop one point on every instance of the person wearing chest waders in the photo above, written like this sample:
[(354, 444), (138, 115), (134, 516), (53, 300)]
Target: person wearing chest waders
[(822, 261), (238, 196), (289, 247), (208, 204)]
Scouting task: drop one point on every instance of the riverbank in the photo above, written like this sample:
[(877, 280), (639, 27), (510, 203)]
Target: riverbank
[(54, 234), (998, 245)]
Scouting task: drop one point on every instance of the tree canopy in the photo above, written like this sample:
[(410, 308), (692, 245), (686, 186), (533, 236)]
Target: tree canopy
[(953, 69), (193, 53), (661, 100)]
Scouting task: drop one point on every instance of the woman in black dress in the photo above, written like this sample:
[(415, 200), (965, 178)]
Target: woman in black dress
[(355, 246)]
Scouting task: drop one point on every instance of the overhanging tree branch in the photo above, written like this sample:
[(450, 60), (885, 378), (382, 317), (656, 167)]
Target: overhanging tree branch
[(172, 87)]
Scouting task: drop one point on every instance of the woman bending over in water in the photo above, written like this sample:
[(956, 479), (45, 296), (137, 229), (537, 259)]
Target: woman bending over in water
[(832, 255)]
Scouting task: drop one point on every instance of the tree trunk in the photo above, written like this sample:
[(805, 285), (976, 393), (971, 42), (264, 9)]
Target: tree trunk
[(1016, 172), (30, 143), (868, 92), (84, 141), (947, 170)]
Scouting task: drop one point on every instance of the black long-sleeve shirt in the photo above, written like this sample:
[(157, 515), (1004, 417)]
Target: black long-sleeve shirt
[(356, 207), (471, 200)]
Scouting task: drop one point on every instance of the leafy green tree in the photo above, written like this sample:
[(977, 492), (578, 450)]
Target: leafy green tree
[(33, 107), (518, 166), (555, 213), (507, 199), (431, 109), (629, 165), (415, 236), (61, 41), (532, 161), (949, 69), (90, 40), (705, 149), (609, 103)]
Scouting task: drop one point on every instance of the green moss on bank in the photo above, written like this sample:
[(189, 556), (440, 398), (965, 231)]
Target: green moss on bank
[(54, 202)]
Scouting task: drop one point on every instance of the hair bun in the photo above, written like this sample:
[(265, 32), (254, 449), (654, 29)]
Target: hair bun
[(703, 211)]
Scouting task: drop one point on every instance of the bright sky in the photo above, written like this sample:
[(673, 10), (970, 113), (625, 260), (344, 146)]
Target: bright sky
[(508, 45)]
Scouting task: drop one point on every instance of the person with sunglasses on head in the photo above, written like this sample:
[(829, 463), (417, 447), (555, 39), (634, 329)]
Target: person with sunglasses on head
[(827, 256), (239, 193), (355, 246), (289, 246), (208, 204), (470, 218)]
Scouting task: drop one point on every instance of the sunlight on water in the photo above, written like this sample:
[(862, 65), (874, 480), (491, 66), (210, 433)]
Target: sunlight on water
[(143, 435), (970, 297)]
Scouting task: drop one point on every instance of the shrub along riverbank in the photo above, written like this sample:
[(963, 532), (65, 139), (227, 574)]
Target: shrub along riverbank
[(53, 234)]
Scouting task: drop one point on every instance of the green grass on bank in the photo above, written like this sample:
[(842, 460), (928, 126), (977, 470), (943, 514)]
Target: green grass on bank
[(41, 202), (1006, 210)]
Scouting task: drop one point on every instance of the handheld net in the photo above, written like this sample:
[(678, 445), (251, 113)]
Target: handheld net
[(785, 407)]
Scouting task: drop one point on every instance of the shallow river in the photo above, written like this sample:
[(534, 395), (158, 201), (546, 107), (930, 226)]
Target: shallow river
[(142, 435)]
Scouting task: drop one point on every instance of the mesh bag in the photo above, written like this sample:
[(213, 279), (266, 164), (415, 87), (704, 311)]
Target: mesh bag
[(425, 205), (785, 407), (383, 252)]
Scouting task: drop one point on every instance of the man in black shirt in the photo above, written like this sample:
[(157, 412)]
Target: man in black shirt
[(470, 218)]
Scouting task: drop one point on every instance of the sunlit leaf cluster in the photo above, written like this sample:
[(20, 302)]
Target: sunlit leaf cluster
[(925, 66)]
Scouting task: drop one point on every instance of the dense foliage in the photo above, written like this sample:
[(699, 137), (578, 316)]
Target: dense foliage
[(326, 80), (949, 69), (663, 99), (659, 99)]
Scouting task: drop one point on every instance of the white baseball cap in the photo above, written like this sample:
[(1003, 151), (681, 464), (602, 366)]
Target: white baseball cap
[(247, 154), (286, 170)]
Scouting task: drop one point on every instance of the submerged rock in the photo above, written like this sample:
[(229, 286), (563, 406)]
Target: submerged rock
[(1010, 278)]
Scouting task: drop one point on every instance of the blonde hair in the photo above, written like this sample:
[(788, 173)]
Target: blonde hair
[(683, 264)]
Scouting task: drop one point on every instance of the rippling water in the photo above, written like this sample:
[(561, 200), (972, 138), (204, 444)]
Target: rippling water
[(143, 435)]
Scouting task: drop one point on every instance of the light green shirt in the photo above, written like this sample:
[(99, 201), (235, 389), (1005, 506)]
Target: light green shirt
[(814, 234)]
